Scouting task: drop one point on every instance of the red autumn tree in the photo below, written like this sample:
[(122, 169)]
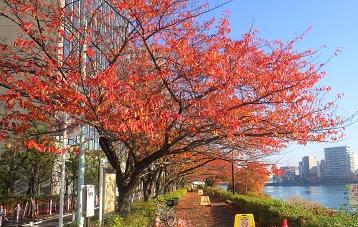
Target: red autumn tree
[(215, 171), (172, 172), (154, 81), (251, 178)]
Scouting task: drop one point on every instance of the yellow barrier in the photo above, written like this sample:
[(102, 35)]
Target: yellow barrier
[(200, 192), (244, 220), (204, 201)]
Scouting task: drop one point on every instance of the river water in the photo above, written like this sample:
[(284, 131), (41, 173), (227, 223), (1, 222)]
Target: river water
[(331, 196)]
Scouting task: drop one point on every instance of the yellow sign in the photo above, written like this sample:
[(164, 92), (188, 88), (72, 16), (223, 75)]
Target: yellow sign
[(200, 192), (244, 220), (204, 201), (110, 188)]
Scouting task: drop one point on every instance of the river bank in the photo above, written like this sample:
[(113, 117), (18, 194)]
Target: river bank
[(271, 212), (330, 196), (310, 184)]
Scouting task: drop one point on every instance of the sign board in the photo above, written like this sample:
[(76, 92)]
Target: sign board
[(103, 162), (88, 197), (353, 195), (244, 220), (204, 201), (200, 192), (109, 198)]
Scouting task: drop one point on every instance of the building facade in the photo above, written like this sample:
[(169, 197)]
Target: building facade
[(340, 164), (308, 167), (289, 173)]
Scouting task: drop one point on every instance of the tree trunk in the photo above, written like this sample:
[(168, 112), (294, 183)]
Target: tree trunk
[(146, 190), (125, 192), (157, 183), (124, 199)]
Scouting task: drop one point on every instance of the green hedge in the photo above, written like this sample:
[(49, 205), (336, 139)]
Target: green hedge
[(141, 213), (271, 212)]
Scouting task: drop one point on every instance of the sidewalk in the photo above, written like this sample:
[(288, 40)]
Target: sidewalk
[(50, 220), (219, 214)]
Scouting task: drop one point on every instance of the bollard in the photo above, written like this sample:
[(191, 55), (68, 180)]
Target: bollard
[(157, 221), (68, 204), (37, 208), (50, 207), (25, 209), (18, 208), (47, 208), (284, 223), (1, 209)]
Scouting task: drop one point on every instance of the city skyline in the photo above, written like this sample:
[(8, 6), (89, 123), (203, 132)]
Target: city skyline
[(333, 25), (318, 158)]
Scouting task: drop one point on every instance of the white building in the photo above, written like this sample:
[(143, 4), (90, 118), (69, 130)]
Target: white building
[(340, 163)]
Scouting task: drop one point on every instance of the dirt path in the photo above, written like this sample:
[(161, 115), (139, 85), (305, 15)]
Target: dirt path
[(219, 214)]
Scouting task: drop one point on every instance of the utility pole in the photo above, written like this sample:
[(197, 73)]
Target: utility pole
[(63, 171), (81, 171), (232, 172)]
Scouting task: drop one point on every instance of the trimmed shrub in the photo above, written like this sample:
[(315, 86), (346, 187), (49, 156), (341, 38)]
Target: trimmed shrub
[(271, 212), (142, 212)]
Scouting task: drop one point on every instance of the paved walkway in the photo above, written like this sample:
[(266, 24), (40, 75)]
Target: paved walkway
[(219, 214)]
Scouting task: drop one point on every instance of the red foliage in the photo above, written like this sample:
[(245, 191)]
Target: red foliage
[(251, 178), (217, 171), (157, 83)]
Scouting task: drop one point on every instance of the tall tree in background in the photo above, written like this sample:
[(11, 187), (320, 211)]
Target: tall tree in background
[(251, 178), (10, 170), (155, 81)]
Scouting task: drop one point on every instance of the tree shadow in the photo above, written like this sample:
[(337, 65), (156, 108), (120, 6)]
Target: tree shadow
[(223, 214)]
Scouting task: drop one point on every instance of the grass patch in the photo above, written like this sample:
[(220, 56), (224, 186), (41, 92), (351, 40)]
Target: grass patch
[(271, 212)]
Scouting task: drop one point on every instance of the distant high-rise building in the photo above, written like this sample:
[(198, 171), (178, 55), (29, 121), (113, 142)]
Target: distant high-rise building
[(340, 163), (355, 161), (308, 167), (321, 169), (289, 173)]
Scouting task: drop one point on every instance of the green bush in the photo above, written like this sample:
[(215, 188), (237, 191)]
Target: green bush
[(271, 212), (141, 213)]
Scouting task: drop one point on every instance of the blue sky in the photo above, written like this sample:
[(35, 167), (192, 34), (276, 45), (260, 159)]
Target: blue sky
[(334, 24)]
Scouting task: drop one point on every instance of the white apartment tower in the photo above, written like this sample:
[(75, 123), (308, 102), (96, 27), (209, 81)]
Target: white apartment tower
[(340, 163)]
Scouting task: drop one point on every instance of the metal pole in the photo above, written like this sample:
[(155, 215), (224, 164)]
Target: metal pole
[(81, 171), (81, 179), (63, 174), (232, 173), (101, 172)]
